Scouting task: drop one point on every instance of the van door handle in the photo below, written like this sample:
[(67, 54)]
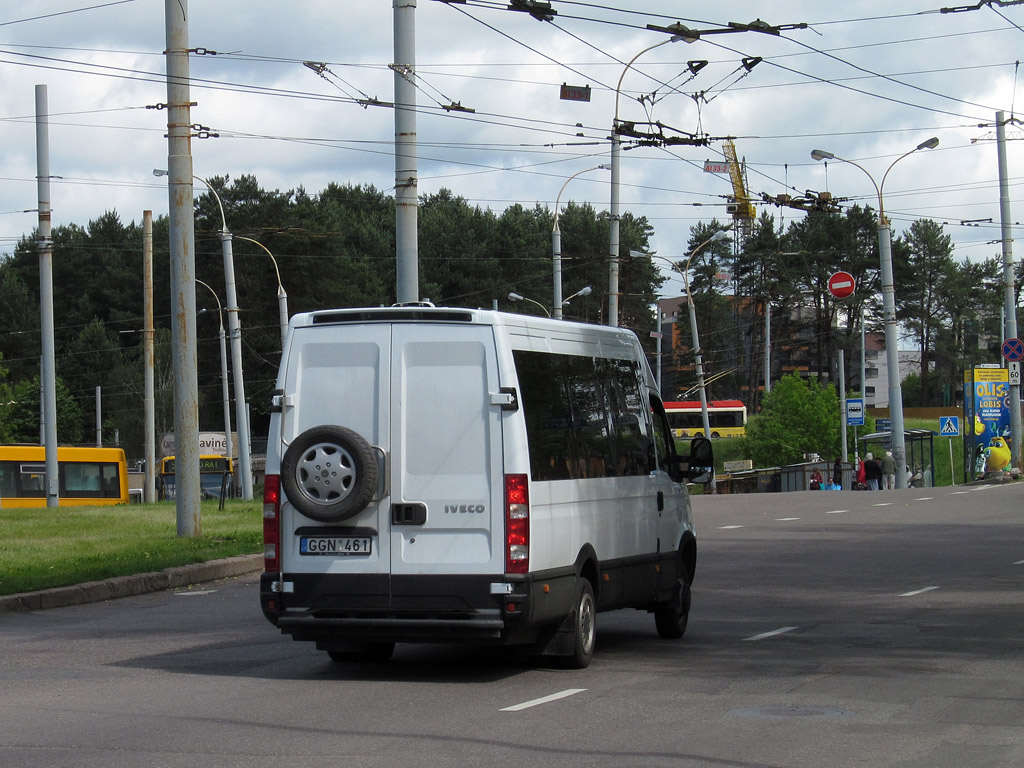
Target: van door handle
[(661, 501)]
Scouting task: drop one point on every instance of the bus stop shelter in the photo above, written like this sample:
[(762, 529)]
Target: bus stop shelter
[(919, 442)]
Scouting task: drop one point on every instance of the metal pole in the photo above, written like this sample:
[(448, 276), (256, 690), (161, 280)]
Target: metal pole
[(556, 260), (99, 418), (183, 289), (149, 402), (47, 365), (282, 296), (767, 347), (244, 471), (842, 404), (225, 396), (613, 227), (406, 212), (1009, 300), (892, 357), (863, 358)]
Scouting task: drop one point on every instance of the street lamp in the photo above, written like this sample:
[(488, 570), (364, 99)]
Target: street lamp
[(244, 473), (614, 207), (556, 242), (282, 297), (225, 397), (512, 296), (892, 360)]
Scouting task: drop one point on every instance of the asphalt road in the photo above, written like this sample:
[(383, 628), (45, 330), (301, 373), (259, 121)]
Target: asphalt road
[(828, 629)]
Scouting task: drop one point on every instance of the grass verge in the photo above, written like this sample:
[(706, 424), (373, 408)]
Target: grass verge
[(43, 548)]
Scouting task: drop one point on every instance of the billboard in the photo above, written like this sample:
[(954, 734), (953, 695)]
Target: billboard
[(986, 421)]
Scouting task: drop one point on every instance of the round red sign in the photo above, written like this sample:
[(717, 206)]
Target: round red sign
[(841, 285)]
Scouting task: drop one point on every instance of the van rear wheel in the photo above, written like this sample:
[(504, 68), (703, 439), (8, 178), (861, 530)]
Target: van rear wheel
[(329, 473), (584, 623)]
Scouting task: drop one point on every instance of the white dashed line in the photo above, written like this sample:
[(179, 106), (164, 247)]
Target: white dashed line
[(729, 527), (959, 493), (837, 511), (543, 700), (773, 633), (883, 504), (1019, 562), (925, 498), (785, 519), (918, 592)]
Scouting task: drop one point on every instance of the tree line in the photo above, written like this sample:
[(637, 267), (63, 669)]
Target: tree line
[(336, 248)]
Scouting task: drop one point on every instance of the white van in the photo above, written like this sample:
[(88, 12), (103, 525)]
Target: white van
[(439, 475)]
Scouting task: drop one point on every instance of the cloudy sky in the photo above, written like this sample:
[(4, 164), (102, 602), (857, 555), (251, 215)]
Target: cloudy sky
[(863, 80)]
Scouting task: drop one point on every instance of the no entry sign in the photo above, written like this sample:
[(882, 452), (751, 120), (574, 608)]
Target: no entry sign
[(841, 285)]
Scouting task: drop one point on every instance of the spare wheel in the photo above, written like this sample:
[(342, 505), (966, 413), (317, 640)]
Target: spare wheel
[(329, 473)]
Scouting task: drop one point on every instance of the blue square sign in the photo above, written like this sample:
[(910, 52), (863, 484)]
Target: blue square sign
[(855, 412), (949, 426)]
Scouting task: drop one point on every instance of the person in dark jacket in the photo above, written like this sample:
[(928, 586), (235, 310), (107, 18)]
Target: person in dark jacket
[(873, 472), (837, 474)]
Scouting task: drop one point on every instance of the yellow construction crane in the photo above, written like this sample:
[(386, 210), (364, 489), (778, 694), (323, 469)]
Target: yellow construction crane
[(741, 207)]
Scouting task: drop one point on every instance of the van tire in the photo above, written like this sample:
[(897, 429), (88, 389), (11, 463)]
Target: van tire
[(329, 473), (584, 626), (672, 616)]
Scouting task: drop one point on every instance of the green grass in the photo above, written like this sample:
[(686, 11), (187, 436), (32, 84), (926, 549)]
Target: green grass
[(43, 548)]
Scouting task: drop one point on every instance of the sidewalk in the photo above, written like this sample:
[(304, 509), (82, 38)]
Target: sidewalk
[(126, 586)]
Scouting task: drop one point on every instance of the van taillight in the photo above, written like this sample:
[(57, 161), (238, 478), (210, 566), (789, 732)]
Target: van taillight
[(517, 524), (271, 523)]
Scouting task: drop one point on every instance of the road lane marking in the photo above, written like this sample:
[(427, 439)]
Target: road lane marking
[(883, 504), (837, 511), (918, 592), (785, 519), (543, 700), (196, 592), (959, 493), (1019, 562), (924, 498), (729, 527), (773, 633)]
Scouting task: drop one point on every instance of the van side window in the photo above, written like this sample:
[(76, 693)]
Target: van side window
[(584, 416), (662, 436)]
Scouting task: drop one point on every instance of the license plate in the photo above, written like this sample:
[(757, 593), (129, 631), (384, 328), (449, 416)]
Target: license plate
[(335, 545)]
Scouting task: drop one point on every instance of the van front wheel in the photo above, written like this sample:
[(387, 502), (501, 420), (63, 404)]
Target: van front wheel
[(329, 473), (672, 616), (584, 622)]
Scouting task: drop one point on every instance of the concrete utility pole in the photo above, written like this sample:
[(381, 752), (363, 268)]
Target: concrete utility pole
[(1009, 302), (183, 263), (47, 366), (149, 402), (406, 184)]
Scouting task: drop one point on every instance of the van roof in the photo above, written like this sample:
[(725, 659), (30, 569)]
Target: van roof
[(516, 324)]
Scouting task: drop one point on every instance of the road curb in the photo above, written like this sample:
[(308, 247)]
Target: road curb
[(126, 586)]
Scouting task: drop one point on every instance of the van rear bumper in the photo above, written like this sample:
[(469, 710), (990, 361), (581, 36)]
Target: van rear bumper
[(325, 608)]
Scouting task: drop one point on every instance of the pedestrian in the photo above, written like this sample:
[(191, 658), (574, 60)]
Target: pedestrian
[(815, 484), (888, 471), (872, 471), (837, 474), (862, 478)]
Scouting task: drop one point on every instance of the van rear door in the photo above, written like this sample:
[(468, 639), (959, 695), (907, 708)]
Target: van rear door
[(446, 453)]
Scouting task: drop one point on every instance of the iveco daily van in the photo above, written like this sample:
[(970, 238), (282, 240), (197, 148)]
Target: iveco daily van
[(440, 475)]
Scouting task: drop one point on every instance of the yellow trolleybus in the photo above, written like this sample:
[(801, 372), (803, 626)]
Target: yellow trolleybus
[(86, 476)]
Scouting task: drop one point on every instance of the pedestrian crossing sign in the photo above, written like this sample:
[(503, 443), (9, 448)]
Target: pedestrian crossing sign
[(949, 426)]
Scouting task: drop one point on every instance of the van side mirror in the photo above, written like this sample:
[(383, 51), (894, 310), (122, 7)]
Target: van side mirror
[(702, 460)]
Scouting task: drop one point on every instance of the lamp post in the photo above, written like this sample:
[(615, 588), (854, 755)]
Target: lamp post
[(698, 357), (244, 471), (225, 397), (282, 297), (512, 296), (556, 242), (892, 359), (614, 207)]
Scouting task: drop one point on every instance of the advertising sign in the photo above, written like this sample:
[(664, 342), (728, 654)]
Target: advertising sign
[(986, 421)]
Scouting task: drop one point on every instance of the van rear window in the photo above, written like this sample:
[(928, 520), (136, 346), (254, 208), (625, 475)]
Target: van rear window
[(585, 416)]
